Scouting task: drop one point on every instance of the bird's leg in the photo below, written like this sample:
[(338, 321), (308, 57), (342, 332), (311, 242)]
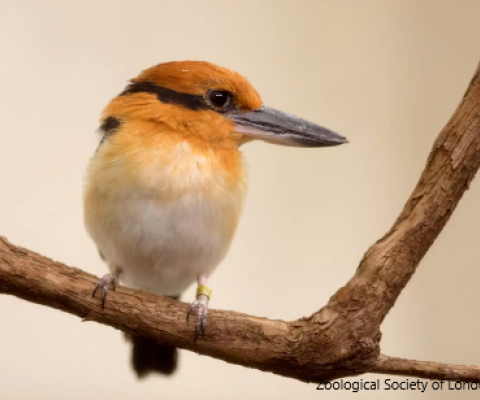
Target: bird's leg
[(106, 282), (200, 305)]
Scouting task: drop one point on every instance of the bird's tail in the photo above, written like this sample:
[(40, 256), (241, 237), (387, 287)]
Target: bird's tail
[(149, 356)]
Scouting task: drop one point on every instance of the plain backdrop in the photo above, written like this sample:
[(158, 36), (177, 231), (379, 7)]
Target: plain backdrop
[(386, 74)]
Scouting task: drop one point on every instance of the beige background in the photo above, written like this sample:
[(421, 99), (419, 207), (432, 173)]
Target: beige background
[(387, 74)]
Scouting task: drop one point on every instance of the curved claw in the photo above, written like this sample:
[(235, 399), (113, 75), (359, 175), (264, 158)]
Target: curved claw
[(203, 323), (96, 288), (192, 307), (104, 295)]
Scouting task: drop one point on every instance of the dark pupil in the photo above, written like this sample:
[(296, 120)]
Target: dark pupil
[(219, 99)]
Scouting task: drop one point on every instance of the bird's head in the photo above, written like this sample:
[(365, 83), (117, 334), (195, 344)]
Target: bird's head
[(214, 104)]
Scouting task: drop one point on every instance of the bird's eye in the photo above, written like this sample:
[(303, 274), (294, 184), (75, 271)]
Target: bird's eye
[(220, 99)]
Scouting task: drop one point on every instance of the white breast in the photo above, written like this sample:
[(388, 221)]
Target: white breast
[(162, 242)]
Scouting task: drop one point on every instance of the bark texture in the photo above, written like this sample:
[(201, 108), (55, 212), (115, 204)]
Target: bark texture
[(341, 339)]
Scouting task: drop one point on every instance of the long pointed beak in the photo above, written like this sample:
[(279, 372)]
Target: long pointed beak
[(278, 127)]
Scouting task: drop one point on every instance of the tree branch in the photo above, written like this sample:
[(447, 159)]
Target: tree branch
[(426, 369), (342, 339)]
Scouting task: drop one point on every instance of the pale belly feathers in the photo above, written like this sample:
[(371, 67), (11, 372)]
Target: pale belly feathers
[(164, 235)]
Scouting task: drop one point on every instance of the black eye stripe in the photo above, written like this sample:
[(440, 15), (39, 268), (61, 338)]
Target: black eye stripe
[(190, 101), (109, 127), (168, 96)]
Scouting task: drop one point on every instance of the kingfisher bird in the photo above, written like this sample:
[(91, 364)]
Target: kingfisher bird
[(167, 183)]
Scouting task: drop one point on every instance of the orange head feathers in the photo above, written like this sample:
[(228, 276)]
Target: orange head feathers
[(198, 78), (211, 103)]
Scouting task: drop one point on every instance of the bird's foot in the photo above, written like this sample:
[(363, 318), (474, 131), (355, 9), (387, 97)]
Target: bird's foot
[(106, 282), (200, 307)]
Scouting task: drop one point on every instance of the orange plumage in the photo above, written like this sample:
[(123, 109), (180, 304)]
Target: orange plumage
[(198, 77)]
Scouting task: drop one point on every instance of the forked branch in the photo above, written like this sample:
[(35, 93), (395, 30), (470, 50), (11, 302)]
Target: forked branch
[(341, 339)]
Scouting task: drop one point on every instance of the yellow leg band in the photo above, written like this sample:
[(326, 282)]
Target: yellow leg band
[(202, 289)]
